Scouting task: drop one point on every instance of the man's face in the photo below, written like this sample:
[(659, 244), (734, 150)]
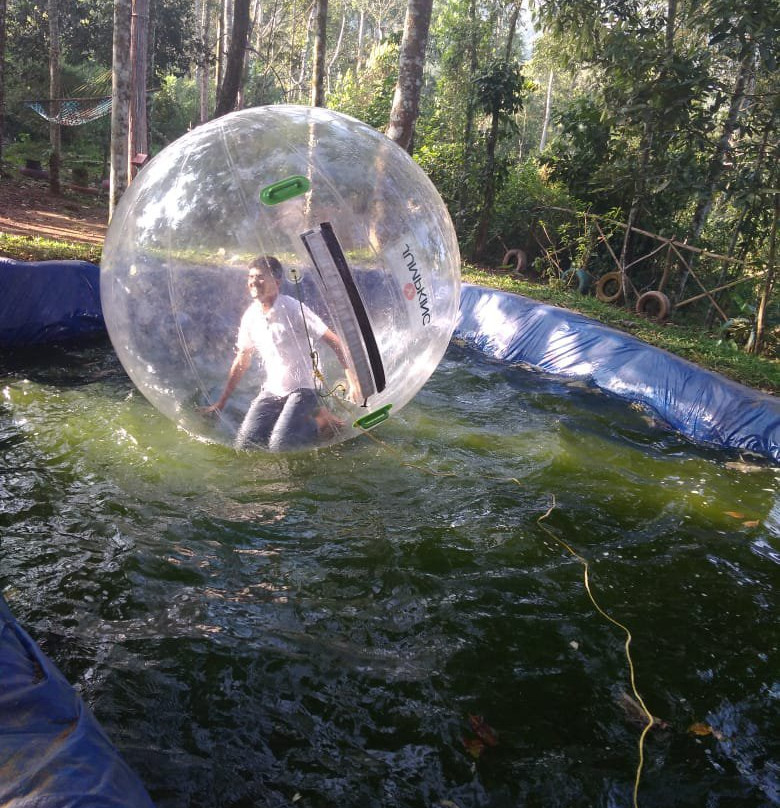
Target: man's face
[(262, 284)]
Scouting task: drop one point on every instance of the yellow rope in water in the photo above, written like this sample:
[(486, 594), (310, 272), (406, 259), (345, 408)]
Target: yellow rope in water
[(586, 567), (627, 646), (586, 579)]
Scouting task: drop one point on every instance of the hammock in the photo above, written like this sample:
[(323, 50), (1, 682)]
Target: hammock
[(73, 111)]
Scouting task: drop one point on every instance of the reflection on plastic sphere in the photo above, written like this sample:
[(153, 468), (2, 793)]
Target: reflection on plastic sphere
[(346, 314)]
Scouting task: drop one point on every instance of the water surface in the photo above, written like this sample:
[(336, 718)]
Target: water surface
[(329, 629)]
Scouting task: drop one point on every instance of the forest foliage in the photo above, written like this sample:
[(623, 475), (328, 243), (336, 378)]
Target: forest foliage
[(590, 134)]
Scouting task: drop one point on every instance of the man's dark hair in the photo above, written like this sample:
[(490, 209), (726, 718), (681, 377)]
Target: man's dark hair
[(270, 262)]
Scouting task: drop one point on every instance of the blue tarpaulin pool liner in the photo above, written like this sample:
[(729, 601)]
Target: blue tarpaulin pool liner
[(53, 753), (704, 406), (43, 302)]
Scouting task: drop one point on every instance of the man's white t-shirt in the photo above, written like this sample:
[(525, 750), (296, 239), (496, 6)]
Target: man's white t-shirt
[(279, 337)]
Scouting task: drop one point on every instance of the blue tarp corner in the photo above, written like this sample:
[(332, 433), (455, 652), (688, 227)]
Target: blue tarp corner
[(45, 302), (704, 406), (53, 753)]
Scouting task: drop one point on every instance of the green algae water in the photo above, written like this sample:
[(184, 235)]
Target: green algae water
[(387, 623)]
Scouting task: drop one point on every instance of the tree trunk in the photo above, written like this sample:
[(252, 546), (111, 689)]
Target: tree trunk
[(406, 101), (361, 32), (337, 49), (120, 102), (722, 148), (202, 69), (646, 150), (547, 112), (489, 196), (671, 24), (471, 111), (3, 10), (298, 83), (770, 280), (223, 34), (744, 230), (512, 28), (228, 90), (137, 122), (253, 24), (55, 94), (320, 43)]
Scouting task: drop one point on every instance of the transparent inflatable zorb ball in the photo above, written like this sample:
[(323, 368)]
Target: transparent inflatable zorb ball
[(296, 246)]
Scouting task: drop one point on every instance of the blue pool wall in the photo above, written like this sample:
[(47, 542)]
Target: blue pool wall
[(45, 302), (53, 753), (704, 406)]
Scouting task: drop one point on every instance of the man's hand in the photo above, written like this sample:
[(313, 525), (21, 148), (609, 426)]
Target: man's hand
[(353, 388), (211, 408), (241, 362)]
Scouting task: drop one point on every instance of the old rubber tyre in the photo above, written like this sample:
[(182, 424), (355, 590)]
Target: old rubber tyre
[(608, 288), (654, 306)]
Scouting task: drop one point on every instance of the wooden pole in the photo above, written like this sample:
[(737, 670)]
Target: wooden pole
[(770, 278), (712, 291), (55, 94), (712, 300), (120, 103), (138, 146)]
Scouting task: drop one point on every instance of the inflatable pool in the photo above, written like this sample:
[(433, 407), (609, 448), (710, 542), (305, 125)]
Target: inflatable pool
[(52, 751)]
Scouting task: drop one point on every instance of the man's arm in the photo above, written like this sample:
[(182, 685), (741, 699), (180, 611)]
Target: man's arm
[(240, 364)]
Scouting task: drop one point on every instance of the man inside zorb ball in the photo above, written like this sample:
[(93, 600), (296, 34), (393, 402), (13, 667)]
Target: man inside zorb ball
[(281, 278), (287, 412)]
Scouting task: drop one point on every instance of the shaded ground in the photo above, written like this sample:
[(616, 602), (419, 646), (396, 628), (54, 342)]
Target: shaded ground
[(27, 208)]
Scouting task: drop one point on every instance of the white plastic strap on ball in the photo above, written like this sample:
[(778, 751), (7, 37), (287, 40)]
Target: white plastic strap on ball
[(347, 308)]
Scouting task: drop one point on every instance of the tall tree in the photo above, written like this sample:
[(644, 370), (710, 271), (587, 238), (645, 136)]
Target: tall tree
[(223, 27), (406, 101), (337, 49), (499, 88), (227, 94), (203, 52), (769, 282), (3, 15), (55, 96), (650, 86), (320, 42), (723, 146), (361, 32), (461, 40), (547, 113), (3, 10), (121, 78), (137, 124)]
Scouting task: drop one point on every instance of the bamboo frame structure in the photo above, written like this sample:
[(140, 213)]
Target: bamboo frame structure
[(675, 250)]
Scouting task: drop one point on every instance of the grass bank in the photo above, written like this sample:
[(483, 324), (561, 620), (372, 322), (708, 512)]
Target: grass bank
[(24, 248), (690, 343)]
